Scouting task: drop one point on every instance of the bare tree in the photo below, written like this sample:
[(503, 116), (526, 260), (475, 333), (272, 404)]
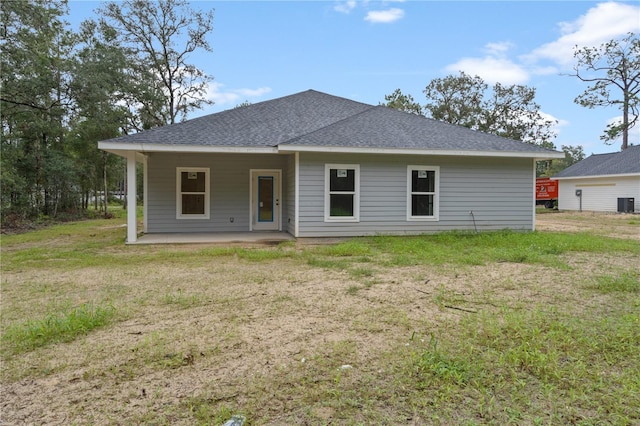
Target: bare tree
[(615, 64)]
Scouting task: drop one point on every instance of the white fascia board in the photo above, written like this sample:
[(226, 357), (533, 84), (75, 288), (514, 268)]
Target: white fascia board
[(125, 154), (118, 147), (401, 151), (597, 176)]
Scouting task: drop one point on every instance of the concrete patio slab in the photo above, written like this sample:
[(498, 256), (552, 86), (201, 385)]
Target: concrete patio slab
[(215, 238)]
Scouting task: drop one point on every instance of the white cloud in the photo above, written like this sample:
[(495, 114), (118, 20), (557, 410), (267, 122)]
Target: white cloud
[(384, 16), (498, 49), (601, 23), (345, 7), (220, 96), (254, 93), (491, 70), (494, 67)]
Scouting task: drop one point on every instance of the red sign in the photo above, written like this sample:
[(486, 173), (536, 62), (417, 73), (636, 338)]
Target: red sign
[(546, 189)]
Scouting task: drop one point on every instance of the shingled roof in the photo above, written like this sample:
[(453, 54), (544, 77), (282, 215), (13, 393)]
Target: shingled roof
[(625, 162), (312, 120)]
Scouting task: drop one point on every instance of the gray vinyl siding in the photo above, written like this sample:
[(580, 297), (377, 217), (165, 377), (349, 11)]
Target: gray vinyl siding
[(289, 206), (498, 191), (229, 184)]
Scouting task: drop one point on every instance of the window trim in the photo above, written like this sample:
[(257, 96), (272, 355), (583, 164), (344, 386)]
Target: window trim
[(327, 193), (179, 193), (435, 193)]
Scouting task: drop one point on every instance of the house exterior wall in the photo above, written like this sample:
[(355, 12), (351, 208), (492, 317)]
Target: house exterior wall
[(598, 194), (500, 192), (229, 190)]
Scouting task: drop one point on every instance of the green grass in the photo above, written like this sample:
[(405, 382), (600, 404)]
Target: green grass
[(351, 248), (515, 359), (254, 255), (465, 248), (83, 244), (433, 364), (626, 282), (56, 327)]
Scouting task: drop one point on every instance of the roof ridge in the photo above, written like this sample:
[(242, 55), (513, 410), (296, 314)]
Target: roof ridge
[(289, 141)]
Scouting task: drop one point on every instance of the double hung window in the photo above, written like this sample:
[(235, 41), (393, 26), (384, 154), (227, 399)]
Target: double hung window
[(342, 193), (422, 192), (192, 193)]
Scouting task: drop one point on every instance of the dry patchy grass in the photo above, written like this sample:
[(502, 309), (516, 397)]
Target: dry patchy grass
[(353, 333)]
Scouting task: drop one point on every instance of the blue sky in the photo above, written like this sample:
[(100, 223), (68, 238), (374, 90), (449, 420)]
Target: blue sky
[(364, 50)]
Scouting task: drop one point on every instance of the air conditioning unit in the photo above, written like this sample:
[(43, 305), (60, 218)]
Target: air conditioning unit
[(625, 205)]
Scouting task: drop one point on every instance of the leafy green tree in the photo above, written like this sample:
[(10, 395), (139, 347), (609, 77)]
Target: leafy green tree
[(572, 154), (102, 83), (512, 112), (508, 111), (162, 35), (615, 65), (35, 58), (456, 99), (401, 102)]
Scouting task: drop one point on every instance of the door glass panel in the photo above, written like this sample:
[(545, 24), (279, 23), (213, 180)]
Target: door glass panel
[(265, 198)]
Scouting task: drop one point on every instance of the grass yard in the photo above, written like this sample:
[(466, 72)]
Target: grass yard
[(502, 328)]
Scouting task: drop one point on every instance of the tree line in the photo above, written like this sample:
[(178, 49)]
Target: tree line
[(62, 91)]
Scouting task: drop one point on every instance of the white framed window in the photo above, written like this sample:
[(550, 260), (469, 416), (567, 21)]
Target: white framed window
[(423, 183), (342, 192), (192, 193)]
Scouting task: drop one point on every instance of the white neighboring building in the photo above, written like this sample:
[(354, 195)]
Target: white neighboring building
[(602, 183)]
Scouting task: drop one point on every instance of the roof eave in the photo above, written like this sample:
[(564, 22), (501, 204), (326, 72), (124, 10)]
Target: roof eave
[(119, 147), (596, 176), (407, 151)]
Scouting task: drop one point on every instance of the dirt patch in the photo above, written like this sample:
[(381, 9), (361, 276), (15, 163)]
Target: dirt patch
[(614, 225)]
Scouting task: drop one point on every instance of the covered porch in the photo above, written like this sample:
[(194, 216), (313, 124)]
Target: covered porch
[(248, 198)]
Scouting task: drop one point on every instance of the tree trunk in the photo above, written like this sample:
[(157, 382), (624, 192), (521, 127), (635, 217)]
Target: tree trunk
[(96, 191), (625, 121)]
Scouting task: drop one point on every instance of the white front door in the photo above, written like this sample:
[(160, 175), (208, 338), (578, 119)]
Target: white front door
[(265, 200)]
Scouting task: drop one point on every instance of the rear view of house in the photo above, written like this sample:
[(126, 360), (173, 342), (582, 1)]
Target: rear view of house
[(314, 165), (602, 183)]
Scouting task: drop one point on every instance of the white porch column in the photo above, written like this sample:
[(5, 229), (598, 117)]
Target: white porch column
[(145, 189), (132, 225), (296, 191)]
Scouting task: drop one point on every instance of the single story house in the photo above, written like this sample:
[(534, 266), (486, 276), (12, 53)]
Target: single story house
[(316, 165), (602, 183)]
